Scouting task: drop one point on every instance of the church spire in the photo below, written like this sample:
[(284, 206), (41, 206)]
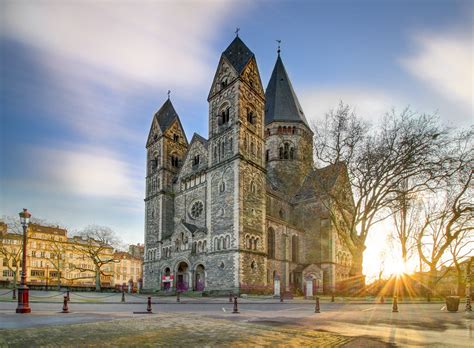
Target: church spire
[(281, 103)]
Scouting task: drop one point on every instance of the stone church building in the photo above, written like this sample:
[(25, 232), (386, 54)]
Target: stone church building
[(241, 210)]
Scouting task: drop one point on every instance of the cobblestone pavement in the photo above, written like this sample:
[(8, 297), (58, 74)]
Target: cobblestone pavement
[(170, 330)]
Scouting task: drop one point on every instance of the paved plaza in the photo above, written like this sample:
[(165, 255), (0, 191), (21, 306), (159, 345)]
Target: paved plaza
[(98, 319)]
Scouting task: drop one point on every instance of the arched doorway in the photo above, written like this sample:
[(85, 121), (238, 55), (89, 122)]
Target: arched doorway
[(182, 277), (200, 278), (166, 279)]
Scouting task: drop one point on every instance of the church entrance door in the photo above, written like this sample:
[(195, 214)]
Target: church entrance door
[(200, 278), (182, 277)]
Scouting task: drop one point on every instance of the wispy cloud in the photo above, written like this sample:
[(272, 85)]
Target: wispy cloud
[(369, 104), (444, 63)]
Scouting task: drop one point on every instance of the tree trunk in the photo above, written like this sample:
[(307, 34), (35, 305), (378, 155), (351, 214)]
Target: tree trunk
[(97, 279), (357, 279)]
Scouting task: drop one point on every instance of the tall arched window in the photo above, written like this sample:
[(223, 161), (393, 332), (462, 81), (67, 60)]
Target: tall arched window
[(271, 243), (294, 248)]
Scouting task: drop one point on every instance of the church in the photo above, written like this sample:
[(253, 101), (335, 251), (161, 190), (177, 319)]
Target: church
[(242, 210)]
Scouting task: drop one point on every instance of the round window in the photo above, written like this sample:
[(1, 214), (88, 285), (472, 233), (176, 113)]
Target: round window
[(196, 209)]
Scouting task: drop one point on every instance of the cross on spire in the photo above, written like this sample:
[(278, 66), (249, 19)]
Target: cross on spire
[(237, 32), (278, 50), (169, 92)]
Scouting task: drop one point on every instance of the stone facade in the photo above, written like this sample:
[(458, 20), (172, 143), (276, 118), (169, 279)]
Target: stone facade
[(239, 211)]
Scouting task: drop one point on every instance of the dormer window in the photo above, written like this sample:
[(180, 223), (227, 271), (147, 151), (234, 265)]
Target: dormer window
[(196, 160)]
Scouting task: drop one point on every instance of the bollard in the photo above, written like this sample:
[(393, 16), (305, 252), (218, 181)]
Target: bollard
[(14, 294), (177, 297), (281, 296), (123, 296), (65, 308), (230, 297), (317, 308), (468, 304), (429, 297), (395, 305), (67, 294), (382, 300), (148, 306), (332, 298), (236, 309)]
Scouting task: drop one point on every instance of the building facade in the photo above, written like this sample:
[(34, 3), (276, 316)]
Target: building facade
[(55, 259), (240, 211)]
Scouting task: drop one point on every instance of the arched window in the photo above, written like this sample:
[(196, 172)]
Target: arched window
[(293, 130), (204, 246), (250, 116), (219, 244), (271, 243), (227, 238), (257, 242), (224, 83), (253, 187), (294, 248), (267, 155), (174, 161), (279, 129), (292, 153), (252, 148)]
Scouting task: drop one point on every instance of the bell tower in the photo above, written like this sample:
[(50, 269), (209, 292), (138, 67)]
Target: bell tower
[(237, 167)]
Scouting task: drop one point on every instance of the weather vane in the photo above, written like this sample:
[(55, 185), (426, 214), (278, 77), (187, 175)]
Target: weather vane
[(169, 92), (278, 50), (237, 32)]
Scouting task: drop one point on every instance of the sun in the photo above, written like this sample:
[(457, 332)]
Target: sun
[(398, 268)]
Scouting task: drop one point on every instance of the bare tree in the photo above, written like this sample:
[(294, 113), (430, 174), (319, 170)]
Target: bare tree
[(11, 246), (377, 161), (97, 243), (460, 249), (449, 212)]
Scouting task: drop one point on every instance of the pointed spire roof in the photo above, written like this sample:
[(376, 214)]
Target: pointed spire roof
[(281, 103), (238, 54), (166, 115)]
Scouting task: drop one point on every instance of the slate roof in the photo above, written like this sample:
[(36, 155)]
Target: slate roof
[(166, 115), (193, 228), (281, 103), (238, 54), (201, 139), (320, 177)]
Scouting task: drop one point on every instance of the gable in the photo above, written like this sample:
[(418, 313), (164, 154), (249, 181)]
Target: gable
[(196, 148), (225, 75), (251, 76), (154, 134)]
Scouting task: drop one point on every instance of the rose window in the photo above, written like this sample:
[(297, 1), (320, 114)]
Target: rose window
[(196, 209)]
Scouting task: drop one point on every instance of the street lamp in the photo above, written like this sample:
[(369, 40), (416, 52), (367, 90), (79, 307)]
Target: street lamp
[(23, 296)]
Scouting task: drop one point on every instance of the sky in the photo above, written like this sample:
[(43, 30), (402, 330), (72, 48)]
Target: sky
[(81, 80)]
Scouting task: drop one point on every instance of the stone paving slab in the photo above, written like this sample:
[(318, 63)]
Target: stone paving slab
[(169, 330)]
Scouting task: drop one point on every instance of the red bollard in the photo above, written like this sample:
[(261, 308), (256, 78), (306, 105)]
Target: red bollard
[(14, 294), (177, 297), (65, 308), (395, 305), (236, 309), (317, 308), (230, 297), (148, 307), (123, 296)]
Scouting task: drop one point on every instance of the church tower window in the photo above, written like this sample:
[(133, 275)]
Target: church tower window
[(176, 138), (250, 116), (196, 160), (271, 243), (174, 161)]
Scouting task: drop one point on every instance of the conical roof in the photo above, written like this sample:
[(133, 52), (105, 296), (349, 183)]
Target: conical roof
[(166, 115), (281, 103), (238, 54)]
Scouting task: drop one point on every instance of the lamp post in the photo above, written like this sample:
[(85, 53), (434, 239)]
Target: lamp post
[(23, 295)]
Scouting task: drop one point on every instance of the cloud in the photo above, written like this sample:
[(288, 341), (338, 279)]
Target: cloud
[(368, 104), (86, 172), (156, 43), (444, 63)]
